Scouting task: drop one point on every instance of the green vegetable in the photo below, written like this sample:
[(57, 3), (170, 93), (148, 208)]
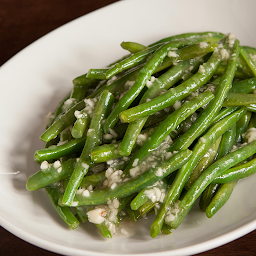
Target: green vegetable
[(151, 133)]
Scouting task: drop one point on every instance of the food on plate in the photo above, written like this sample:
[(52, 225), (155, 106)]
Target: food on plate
[(167, 124)]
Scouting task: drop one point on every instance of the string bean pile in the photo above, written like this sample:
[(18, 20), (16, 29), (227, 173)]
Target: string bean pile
[(151, 133)]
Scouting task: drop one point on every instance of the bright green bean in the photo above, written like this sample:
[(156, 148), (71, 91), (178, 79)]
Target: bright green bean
[(223, 113), (58, 151), (142, 197), (244, 86), (133, 185), (204, 163), (207, 196), (145, 74), (237, 173), (62, 122), (241, 126), (201, 147), (133, 47), (93, 139), (93, 179), (220, 198), (45, 177), (248, 60), (80, 124), (210, 36), (205, 119), (239, 99), (164, 82), (208, 176), (97, 74), (65, 213), (168, 125), (174, 94), (228, 140), (226, 144)]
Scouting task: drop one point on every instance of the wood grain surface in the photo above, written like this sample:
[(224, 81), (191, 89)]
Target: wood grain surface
[(23, 22)]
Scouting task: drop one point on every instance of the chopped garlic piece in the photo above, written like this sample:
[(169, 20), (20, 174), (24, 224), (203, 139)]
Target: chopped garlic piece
[(97, 215), (177, 105), (172, 54), (44, 165), (57, 164)]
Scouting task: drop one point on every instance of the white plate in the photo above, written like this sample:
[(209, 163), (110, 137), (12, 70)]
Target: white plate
[(33, 82)]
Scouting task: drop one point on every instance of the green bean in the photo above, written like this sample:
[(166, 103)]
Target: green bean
[(190, 51), (97, 74), (81, 85), (47, 176), (201, 147), (144, 75), (131, 61), (252, 122), (239, 99), (147, 207), (248, 60), (133, 47), (135, 184), (152, 120), (215, 202), (94, 180), (108, 152), (185, 53), (139, 200), (58, 151), (178, 93), (228, 140), (204, 163), (239, 73), (83, 81), (105, 153), (104, 230), (93, 139), (164, 82), (244, 86), (211, 36), (250, 50), (220, 198), (237, 173), (166, 229), (251, 108), (62, 122), (81, 212), (116, 84), (207, 196), (141, 56), (80, 124), (209, 175), (205, 119), (65, 213), (226, 144), (223, 113), (142, 197), (168, 125), (133, 214), (241, 126)]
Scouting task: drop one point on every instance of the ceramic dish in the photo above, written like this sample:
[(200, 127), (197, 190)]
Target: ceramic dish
[(33, 82)]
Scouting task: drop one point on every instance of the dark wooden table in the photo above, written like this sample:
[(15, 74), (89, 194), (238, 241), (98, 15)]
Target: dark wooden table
[(21, 23)]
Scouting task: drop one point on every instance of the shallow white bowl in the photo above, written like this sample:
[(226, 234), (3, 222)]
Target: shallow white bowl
[(33, 82)]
